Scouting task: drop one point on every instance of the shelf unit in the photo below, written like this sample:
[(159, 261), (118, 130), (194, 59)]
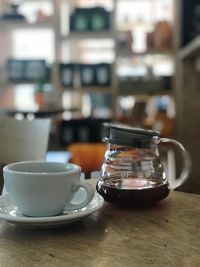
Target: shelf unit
[(55, 24), (74, 38), (113, 34)]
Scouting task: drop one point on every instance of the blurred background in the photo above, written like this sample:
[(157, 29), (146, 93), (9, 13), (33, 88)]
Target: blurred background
[(127, 61)]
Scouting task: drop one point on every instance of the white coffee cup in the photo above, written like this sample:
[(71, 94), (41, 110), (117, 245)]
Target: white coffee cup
[(40, 188)]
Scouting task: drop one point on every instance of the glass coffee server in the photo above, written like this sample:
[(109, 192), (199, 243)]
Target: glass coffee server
[(132, 172)]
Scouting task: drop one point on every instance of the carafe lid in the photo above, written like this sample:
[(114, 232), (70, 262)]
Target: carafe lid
[(125, 135)]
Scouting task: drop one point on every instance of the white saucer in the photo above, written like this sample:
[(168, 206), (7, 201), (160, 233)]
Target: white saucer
[(10, 213)]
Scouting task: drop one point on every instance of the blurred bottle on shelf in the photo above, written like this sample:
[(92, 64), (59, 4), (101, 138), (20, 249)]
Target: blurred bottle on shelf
[(163, 35), (41, 16), (150, 40), (125, 40)]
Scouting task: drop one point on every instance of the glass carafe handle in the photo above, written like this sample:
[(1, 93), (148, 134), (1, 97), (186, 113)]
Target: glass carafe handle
[(176, 182)]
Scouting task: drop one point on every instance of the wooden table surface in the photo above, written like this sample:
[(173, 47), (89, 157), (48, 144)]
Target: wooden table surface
[(167, 234)]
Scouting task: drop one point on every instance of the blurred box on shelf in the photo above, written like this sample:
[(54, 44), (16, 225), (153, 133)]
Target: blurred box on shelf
[(67, 72), (100, 104), (99, 19), (36, 71), (13, 14), (15, 70), (79, 21), (30, 71), (82, 130), (89, 19), (87, 74), (95, 74), (158, 84), (103, 74)]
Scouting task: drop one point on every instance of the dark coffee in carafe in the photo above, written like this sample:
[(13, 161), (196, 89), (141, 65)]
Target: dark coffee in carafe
[(133, 197)]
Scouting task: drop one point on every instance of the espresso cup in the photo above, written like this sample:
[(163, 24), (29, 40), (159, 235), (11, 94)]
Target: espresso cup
[(43, 189)]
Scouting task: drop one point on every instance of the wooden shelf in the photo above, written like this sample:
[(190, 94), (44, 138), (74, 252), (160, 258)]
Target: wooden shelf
[(76, 36), (88, 89), (127, 52), (97, 89), (22, 24), (144, 93), (191, 50)]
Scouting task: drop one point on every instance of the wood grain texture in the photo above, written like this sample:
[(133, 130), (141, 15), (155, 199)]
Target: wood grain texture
[(164, 235)]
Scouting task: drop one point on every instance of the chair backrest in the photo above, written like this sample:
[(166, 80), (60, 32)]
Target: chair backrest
[(23, 139), (89, 156)]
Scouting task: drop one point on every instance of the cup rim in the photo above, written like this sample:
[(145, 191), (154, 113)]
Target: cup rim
[(7, 167)]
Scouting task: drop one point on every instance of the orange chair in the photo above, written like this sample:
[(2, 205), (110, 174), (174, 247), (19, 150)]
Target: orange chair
[(89, 156)]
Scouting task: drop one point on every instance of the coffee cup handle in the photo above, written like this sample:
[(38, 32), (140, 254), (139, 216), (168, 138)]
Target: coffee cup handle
[(90, 194), (176, 182)]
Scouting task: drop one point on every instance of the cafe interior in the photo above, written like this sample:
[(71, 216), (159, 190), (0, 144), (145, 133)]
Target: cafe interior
[(76, 77), (84, 63)]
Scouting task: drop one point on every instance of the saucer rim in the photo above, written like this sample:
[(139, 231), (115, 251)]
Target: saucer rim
[(52, 219)]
